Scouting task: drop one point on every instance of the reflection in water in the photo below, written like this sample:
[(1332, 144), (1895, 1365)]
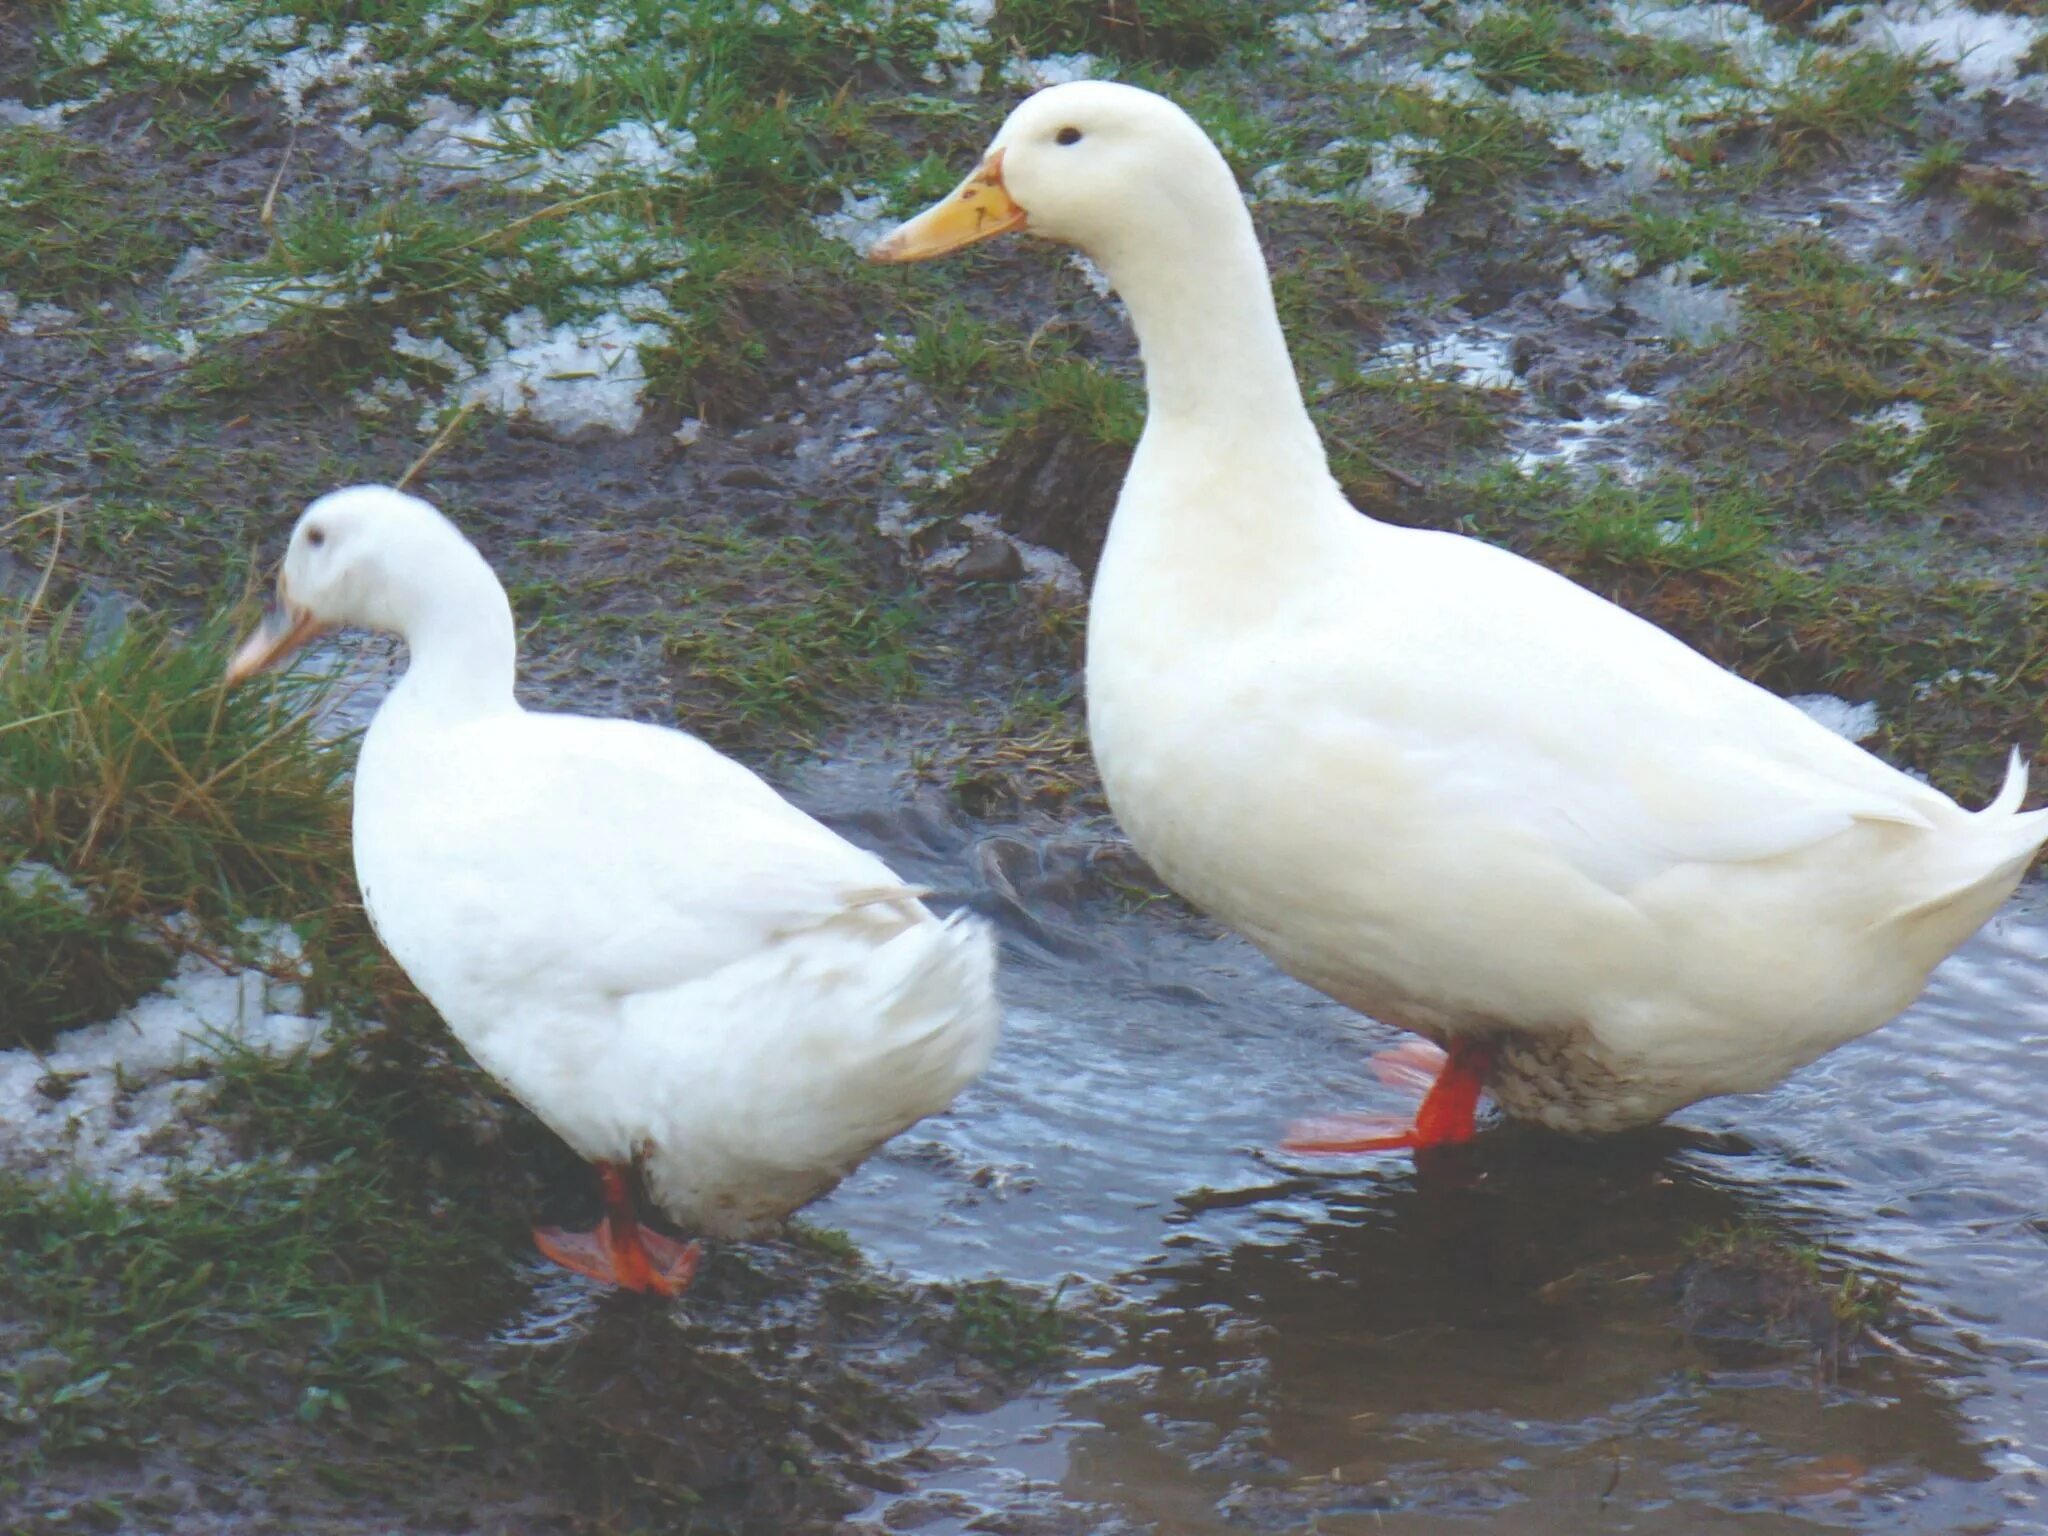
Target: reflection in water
[(1512, 1337), (1522, 1335)]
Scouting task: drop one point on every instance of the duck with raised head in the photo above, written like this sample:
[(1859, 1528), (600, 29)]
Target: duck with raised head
[(1436, 781), (680, 972)]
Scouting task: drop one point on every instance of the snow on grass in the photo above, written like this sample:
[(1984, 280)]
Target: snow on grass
[(961, 34), (1636, 136), (1852, 722), (117, 1103), (22, 319), (1391, 182), (1904, 417), (1642, 135), (1985, 49), (1476, 358), (1054, 69), (572, 379), (861, 219), (14, 113), (1673, 305), (1749, 42), (1581, 444), (1344, 27), (454, 145)]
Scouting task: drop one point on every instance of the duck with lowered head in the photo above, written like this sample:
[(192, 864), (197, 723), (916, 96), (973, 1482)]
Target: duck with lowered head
[(666, 961), (1442, 784)]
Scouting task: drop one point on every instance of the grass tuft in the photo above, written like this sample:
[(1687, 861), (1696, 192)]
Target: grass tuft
[(1019, 1331), (1168, 31), (1528, 46)]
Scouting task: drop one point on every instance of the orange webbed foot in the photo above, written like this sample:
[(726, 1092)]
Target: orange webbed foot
[(619, 1250), (642, 1261), (1447, 1116)]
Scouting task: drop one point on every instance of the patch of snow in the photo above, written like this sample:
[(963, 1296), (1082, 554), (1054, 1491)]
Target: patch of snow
[(1750, 41), (573, 379), (689, 433), (1050, 571), (1091, 274), (1904, 417), (961, 33), (1984, 48), (192, 265), (1475, 358), (115, 1102), (1633, 135), (381, 396), (1054, 69), (454, 145), (32, 877), (1598, 267), (14, 113), (1671, 303), (1344, 27), (1391, 181), (560, 45), (1567, 445), (1450, 79), (32, 319), (862, 219), (1852, 722), (323, 62), (1955, 679)]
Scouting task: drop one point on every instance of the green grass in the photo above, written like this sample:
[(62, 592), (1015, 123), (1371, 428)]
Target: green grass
[(1937, 168), (156, 792), (1826, 338), (779, 639), (1848, 97), (62, 963), (1019, 1331), (1531, 46), (71, 227), (1948, 655), (134, 771), (1169, 31), (771, 638), (322, 1289)]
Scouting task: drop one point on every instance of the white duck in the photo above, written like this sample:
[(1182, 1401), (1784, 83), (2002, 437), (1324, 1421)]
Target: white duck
[(1444, 785), (665, 960)]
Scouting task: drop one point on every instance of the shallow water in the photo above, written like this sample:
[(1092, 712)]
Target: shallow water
[(1514, 1334)]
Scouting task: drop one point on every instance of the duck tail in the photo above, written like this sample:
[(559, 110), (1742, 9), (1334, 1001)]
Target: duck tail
[(945, 986), (2013, 791), (2007, 840)]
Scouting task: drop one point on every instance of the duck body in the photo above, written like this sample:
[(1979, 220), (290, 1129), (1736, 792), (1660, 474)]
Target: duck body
[(667, 962), (692, 973), (1444, 785), (1459, 793)]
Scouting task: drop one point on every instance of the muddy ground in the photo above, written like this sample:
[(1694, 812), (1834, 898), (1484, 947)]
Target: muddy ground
[(1774, 379)]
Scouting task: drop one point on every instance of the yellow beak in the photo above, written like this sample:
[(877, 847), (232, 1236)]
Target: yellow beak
[(283, 630), (978, 209)]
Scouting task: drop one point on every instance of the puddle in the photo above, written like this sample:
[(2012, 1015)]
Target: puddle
[(1369, 1349)]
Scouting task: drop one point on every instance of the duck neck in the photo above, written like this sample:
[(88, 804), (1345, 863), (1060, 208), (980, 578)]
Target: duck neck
[(463, 650), (1217, 371)]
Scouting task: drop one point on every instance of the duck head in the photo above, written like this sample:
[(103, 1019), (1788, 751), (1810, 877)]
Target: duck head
[(366, 558), (1116, 171)]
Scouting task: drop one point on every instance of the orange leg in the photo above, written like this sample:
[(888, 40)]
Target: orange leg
[(618, 1250), (1446, 1116)]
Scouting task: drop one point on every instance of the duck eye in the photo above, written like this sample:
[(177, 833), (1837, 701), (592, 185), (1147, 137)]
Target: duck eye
[(1068, 136), (316, 537)]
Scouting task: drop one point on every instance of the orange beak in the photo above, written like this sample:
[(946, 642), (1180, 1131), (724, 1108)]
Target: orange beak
[(283, 630), (978, 209)]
